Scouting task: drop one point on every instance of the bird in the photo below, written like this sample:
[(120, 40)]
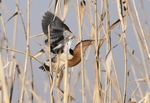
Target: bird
[(61, 36), (58, 62), (76, 57)]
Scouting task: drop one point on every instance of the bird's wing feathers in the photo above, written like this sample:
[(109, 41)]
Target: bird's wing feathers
[(54, 22), (56, 27)]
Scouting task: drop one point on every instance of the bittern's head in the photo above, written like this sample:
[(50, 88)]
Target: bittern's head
[(77, 52), (85, 44)]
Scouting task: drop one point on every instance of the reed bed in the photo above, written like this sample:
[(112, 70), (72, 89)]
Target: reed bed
[(113, 70)]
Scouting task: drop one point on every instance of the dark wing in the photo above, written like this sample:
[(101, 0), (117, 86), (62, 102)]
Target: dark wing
[(56, 27)]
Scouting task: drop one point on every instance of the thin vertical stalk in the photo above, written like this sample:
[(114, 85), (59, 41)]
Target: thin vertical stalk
[(15, 30), (51, 71), (123, 25), (82, 60), (3, 80), (118, 91), (145, 19), (66, 78), (12, 84), (2, 77), (12, 66), (6, 41), (97, 87), (32, 78), (27, 53), (108, 46), (65, 9), (31, 67)]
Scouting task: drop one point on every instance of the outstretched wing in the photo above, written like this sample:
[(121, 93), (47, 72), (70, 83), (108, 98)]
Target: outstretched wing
[(56, 28)]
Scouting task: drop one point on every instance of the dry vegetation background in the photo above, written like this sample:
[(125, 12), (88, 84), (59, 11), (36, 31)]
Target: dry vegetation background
[(116, 73)]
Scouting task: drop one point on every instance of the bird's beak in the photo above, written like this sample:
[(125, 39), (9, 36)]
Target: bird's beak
[(92, 41)]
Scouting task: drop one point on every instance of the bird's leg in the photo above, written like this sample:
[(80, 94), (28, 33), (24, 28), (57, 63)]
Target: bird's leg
[(58, 82)]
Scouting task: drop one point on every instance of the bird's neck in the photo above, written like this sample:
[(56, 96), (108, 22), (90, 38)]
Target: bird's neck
[(76, 58)]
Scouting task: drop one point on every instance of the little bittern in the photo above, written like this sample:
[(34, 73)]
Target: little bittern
[(76, 53)]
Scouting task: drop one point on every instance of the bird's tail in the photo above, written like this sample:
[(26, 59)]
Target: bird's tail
[(44, 67)]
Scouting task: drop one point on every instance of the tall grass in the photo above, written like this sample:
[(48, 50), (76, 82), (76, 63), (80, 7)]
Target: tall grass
[(119, 70)]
